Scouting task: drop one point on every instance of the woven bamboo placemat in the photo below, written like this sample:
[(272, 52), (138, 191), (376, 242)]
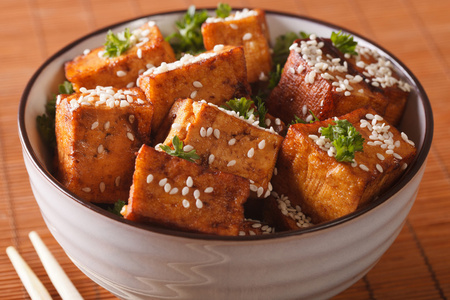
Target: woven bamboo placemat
[(417, 266)]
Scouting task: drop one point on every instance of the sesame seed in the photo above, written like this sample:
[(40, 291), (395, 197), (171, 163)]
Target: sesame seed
[(404, 166), (260, 191), (241, 233), (185, 191), (218, 48), (173, 191), (189, 181), (193, 94), (251, 152), (262, 144), (130, 136), (185, 203), (100, 149), (253, 188), (167, 187), (94, 125), (176, 126), (275, 171), (121, 73), (231, 142), (247, 36), (379, 168), (102, 187), (199, 203), (149, 178), (209, 131), (106, 126), (380, 156), (364, 167), (86, 189), (398, 156), (197, 84), (209, 190), (139, 53), (233, 26), (188, 148), (277, 121), (211, 158), (217, 133), (202, 132), (162, 182), (231, 163), (389, 151), (347, 93)]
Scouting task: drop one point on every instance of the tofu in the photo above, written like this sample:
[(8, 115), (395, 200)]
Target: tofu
[(92, 69), (175, 193), (215, 76), (319, 78), (247, 28), (97, 141), (326, 189), (226, 143)]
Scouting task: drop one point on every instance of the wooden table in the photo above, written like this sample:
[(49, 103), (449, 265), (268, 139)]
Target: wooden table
[(417, 266)]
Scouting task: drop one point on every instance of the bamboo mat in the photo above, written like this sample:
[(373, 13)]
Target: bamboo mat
[(417, 266)]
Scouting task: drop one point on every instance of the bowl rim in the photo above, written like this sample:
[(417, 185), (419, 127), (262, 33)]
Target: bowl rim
[(414, 168)]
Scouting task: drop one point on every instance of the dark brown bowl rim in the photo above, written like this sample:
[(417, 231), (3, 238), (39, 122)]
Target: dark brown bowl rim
[(412, 170)]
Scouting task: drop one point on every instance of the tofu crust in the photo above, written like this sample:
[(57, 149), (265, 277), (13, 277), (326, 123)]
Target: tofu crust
[(162, 193)]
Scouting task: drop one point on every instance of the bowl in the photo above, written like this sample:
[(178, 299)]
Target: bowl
[(136, 261)]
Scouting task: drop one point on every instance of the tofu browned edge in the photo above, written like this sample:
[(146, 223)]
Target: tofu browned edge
[(221, 212), (325, 188), (293, 92)]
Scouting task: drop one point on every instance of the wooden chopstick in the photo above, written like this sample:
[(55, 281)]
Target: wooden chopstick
[(32, 284), (60, 280)]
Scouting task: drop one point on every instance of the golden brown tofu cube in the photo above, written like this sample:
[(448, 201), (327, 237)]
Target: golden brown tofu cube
[(246, 28), (173, 192), (215, 76), (327, 189), (97, 138), (319, 78), (227, 143), (93, 69)]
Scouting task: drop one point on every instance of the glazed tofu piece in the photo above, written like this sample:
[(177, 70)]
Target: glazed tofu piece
[(215, 76), (247, 28), (319, 78), (93, 69), (226, 142), (327, 189), (175, 193), (98, 133)]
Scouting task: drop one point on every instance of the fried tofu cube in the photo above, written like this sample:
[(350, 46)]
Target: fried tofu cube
[(176, 193), (215, 76), (318, 78), (247, 28), (226, 142), (327, 189), (97, 138), (93, 69)]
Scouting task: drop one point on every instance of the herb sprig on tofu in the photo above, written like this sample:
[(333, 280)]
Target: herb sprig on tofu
[(117, 207), (298, 120), (282, 44), (46, 121), (178, 150), (344, 42), (223, 10), (116, 45), (188, 37), (243, 106), (345, 139)]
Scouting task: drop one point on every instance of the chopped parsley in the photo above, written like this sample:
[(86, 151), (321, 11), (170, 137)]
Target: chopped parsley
[(243, 106), (298, 120), (274, 77), (178, 150), (345, 139), (117, 208), (344, 42), (223, 10), (261, 111), (116, 45), (188, 37)]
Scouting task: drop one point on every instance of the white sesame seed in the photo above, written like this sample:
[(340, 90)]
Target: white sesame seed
[(162, 182), (199, 203), (121, 73), (173, 191), (211, 158), (231, 163), (102, 187), (277, 121), (404, 166), (197, 84), (251, 152), (260, 191), (139, 53), (389, 151), (253, 188), (94, 125), (379, 168), (275, 171), (398, 156), (149, 178), (209, 131), (185, 191), (86, 189), (106, 126), (167, 187), (380, 156), (247, 36), (209, 190), (262, 144), (217, 133), (218, 48), (188, 148), (193, 94), (233, 26), (364, 167), (100, 149), (202, 132), (130, 136), (347, 93), (189, 181), (231, 142), (185, 203), (176, 126)]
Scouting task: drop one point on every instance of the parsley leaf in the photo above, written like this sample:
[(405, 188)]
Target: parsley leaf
[(116, 45), (344, 138), (65, 88), (298, 120), (188, 38), (117, 208), (178, 150), (261, 111), (223, 10), (274, 77), (282, 43), (344, 42), (242, 106)]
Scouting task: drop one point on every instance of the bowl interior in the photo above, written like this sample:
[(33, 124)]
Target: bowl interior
[(417, 122)]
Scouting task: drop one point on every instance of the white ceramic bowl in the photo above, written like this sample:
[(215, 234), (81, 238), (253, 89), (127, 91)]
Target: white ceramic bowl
[(141, 262)]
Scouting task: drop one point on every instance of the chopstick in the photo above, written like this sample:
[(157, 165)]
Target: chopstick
[(56, 274)]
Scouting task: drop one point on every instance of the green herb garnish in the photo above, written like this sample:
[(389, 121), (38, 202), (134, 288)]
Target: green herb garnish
[(223, 10), (188, 38), (243, 106), (116, 45), (261, 111), (274, 77), (178, 150), (344, 42), (282, 44), (344, 138), (298, 120), (117, 208)]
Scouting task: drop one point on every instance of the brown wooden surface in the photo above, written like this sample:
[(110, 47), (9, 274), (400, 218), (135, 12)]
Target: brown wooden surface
[(417, 266)]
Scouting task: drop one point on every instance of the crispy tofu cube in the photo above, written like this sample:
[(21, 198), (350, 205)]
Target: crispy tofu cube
[(215, 76), (93, 69), (97, 138), (319, 78), (326, 189), (176, 193), (247, 28), (226, 142)]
